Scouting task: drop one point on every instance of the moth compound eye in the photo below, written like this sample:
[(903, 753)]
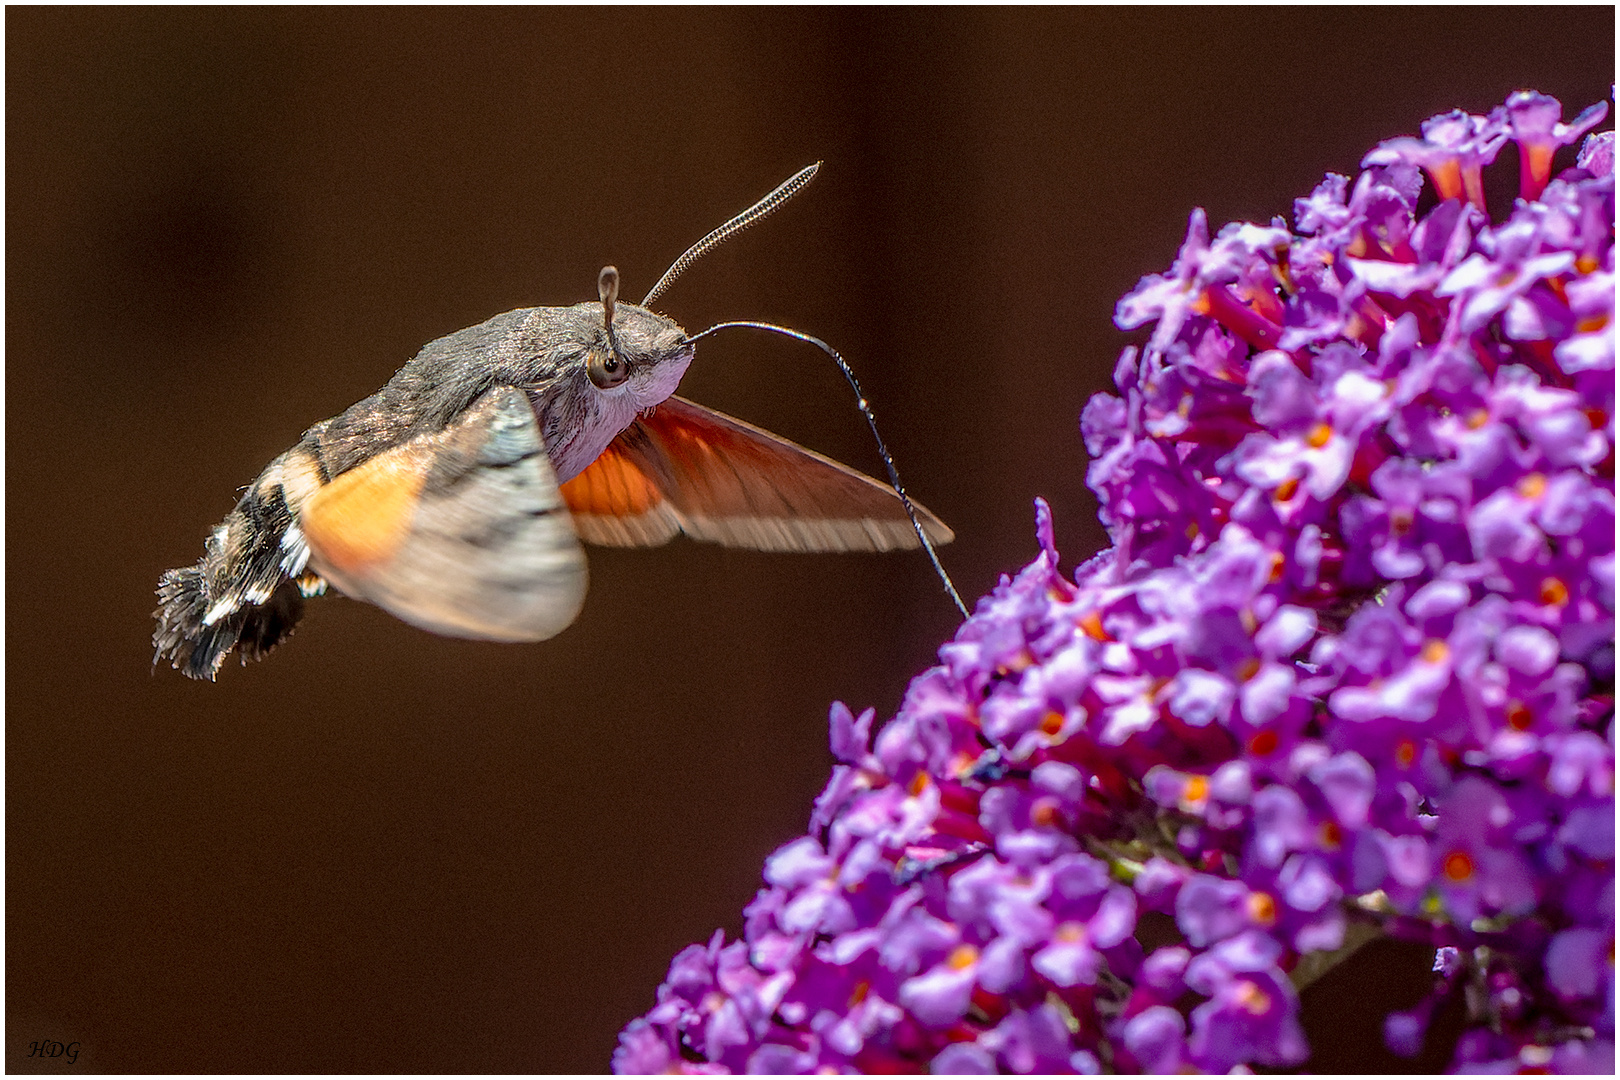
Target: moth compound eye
[(607, 369)]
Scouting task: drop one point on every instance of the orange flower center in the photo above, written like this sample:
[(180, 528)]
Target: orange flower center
[(1016, 664), (1331, 836), (1435, 650), (1458, 866), (1255, 1001), (1554, 592), (1532, 485), (1286, 489), (963, 956), (1319, 435), (1091, 622), (1263, 743), (1045, 814), (1405, 753), (1069, 933), (1262, 908)]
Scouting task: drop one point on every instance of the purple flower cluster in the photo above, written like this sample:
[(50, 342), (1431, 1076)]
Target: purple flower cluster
[(1346, 672)]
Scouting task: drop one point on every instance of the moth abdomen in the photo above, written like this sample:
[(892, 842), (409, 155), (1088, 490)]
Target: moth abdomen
[(248, 589)]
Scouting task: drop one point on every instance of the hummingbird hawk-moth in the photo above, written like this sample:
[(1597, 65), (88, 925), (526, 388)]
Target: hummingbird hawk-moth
[(456, 497)]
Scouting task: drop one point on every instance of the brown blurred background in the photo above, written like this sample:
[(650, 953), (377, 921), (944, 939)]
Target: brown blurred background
[(386, 851)]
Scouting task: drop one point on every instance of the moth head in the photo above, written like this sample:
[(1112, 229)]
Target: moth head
[(635, 353)]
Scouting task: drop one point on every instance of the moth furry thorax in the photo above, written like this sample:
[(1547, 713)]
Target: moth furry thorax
[(541, 351)]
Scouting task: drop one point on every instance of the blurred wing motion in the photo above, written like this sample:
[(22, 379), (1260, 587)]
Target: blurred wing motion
[(687, 469), (461, 532)]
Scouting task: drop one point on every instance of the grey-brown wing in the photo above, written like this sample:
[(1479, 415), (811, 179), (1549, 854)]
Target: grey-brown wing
[(462, 532)]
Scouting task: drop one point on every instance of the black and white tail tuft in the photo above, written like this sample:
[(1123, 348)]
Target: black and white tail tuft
[(247, 592)]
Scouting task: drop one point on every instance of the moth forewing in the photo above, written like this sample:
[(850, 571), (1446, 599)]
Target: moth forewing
[(461, 532)]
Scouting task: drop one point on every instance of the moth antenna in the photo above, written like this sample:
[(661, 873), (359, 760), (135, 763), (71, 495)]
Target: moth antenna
[(871, 422), (781, 194), (607, 287)]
